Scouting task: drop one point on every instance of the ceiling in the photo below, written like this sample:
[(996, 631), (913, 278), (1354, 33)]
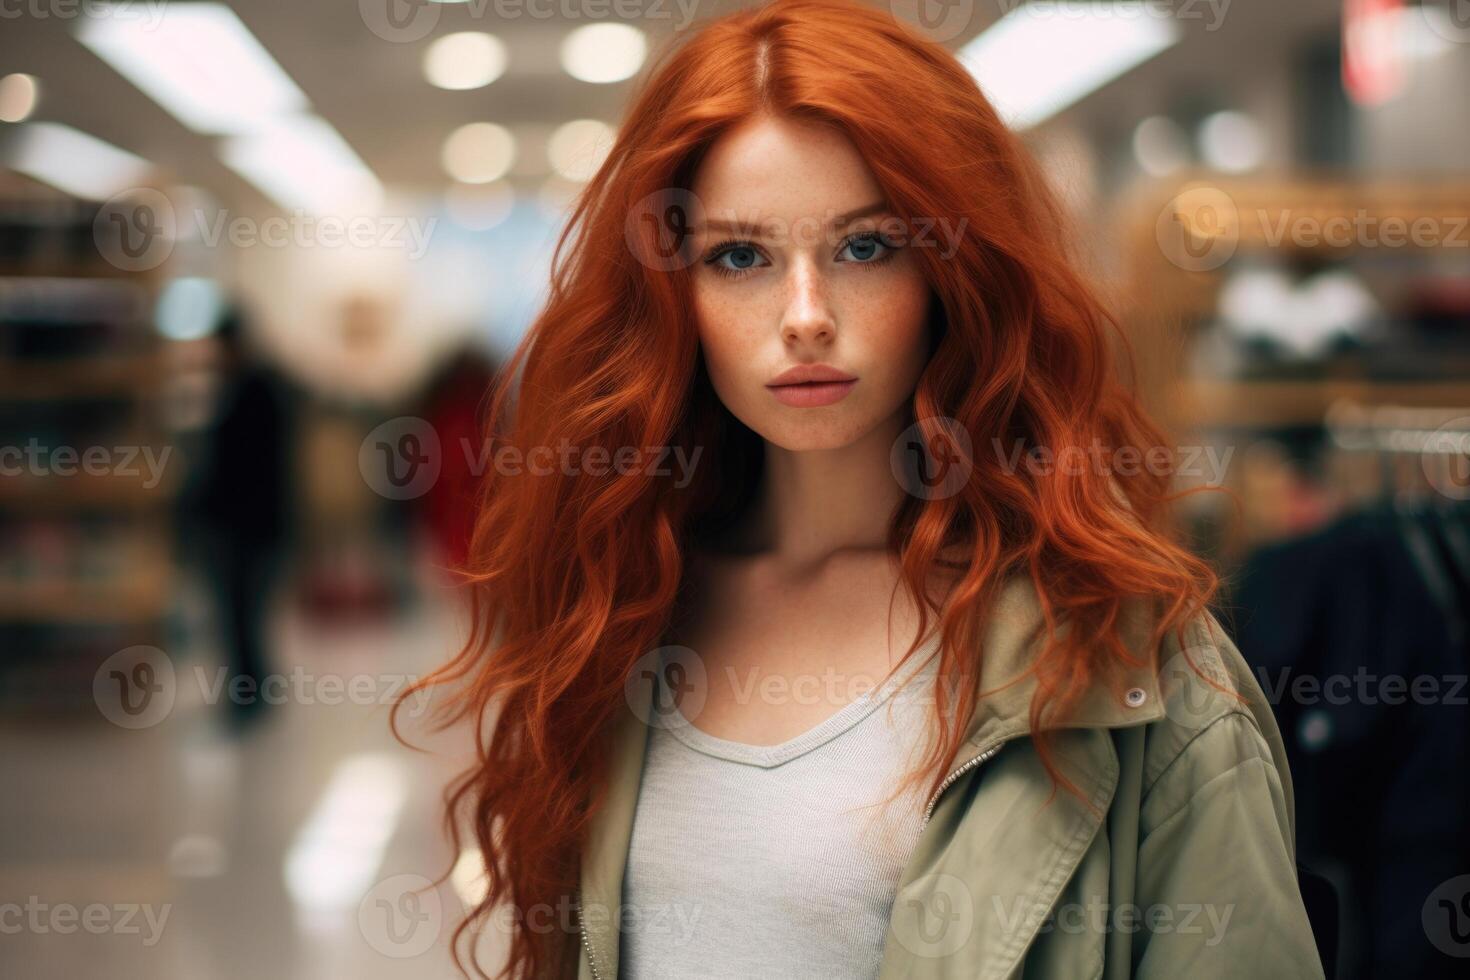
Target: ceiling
[(374, 92)]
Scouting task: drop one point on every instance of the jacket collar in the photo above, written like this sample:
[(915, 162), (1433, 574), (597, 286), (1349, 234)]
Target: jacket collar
[(1002, 713), (1130, 696)]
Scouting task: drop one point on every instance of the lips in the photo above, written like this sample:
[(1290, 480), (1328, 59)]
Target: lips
[(810, 373), (811, 385)]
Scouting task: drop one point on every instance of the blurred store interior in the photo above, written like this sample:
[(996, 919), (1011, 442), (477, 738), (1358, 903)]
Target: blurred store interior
[(248, 249)]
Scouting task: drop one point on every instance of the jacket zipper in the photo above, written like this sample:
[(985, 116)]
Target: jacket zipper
[(949, 780), (587, 941)]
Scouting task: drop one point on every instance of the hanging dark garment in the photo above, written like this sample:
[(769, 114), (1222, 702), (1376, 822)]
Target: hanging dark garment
[(1353, 634)]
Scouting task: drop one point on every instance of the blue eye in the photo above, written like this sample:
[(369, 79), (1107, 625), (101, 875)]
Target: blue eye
[(735, 259), (867, 247), (742, 257)]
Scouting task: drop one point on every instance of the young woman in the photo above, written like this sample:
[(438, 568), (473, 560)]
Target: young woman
[(820, 420)]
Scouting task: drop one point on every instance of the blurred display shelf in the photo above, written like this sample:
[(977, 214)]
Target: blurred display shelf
[(60, 493), (1185, 237), (1322, 212), (73, 268), (1184, 234), (87, 537), (133, 585), (1265, 403), (1381, 362), (44, 232), (66, 379), (139, 601)]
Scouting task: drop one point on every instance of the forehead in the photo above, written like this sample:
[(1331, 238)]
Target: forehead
[(783, 169)]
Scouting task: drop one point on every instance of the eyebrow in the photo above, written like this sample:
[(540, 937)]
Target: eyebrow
[(841, 221)]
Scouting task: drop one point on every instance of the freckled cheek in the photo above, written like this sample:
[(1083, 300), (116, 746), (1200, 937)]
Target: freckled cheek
[(730, 338), (893, 320)]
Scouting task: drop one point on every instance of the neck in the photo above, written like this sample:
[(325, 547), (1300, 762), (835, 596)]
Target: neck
[(813, 504)]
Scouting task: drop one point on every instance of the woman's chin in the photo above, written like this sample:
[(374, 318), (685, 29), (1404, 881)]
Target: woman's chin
[(812, 435)]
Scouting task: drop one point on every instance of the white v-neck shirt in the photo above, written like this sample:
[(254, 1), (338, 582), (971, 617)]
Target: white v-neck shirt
[(773, 861)]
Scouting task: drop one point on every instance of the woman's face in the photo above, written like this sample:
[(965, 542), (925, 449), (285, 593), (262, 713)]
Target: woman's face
[(799, 265)]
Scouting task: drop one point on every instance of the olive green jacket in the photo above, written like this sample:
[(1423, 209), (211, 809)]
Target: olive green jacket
[(1184, 866)]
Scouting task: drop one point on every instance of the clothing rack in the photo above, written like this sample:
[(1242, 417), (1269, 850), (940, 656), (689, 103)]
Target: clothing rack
[(1423, 453), (1399, 429)]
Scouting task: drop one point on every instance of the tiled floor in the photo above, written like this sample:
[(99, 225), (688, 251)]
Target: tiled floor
[(290, 851)]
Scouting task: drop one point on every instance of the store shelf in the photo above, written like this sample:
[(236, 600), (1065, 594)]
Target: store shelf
[(84, 604), (1173, 295), (72, 268), (140, 374), (85, 537), (50, 494), (1331, 213), (123, 576), (1262, 404)]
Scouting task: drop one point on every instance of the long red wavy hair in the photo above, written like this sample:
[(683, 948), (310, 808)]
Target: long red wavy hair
[(574, 575)]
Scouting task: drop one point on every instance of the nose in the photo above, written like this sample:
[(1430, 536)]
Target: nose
[(808, 316)]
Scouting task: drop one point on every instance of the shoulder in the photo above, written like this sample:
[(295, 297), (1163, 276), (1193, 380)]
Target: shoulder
[(1214, 821), (1216, 723)]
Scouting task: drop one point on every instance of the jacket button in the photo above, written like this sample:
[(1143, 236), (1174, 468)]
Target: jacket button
[(1135, 696)]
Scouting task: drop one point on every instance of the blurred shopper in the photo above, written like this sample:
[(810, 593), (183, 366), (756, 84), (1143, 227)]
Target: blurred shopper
[(245, 505), (454, 406), (1358, 631)]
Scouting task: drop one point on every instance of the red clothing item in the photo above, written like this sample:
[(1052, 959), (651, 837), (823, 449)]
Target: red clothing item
[(456, 411)]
